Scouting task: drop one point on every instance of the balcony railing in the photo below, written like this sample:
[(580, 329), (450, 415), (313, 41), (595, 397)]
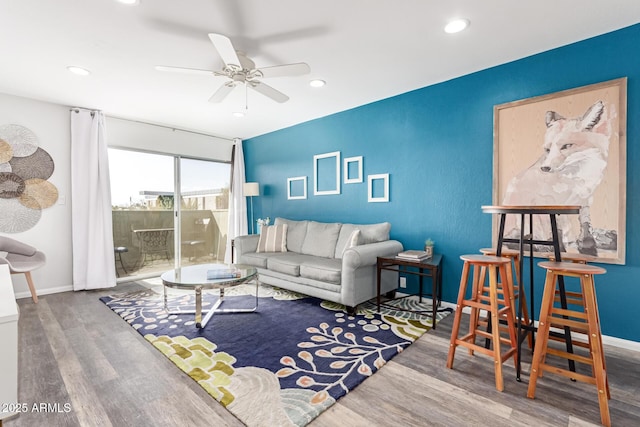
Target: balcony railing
[(149, 238)]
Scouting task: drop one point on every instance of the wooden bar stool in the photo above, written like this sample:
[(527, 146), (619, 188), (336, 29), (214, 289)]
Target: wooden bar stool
[(486, 297), (571, 298), (515, 293), (585, 320)]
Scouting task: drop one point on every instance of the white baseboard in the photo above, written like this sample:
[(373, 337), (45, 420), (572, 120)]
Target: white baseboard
[(607, 340), (27, 294)]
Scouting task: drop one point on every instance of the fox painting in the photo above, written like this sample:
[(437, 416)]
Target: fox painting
[(568, 171)]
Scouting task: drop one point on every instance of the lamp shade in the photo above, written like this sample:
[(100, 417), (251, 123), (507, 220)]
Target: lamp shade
[(251, 189)]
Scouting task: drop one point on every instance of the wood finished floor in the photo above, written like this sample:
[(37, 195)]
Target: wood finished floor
[(75, 350)]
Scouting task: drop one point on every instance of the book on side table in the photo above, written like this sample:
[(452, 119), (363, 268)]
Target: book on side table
[(413, 255)]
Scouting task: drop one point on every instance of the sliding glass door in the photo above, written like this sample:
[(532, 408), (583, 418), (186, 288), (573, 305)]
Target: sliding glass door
[(204, 207), (168, 211)]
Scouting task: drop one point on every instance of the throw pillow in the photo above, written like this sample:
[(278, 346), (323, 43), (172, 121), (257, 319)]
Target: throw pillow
[(354, 240), (273, 238)]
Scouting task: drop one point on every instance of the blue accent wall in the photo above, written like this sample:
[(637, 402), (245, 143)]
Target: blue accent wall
[(436, 143)]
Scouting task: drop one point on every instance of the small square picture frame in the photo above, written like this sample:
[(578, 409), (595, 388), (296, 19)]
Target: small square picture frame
[(346, 170), (385, 187), (293, 192)]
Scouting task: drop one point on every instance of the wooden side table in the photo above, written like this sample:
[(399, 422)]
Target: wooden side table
[(426, 268)]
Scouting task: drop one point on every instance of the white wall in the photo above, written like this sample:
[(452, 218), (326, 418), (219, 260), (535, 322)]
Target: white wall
[(52, 234)]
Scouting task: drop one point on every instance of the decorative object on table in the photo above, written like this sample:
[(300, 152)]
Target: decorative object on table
[(428, 247), (251, 189), (378, 188), (262, 222), (222, 273), (566, 148), (414, 255), (24, 171), (326, 174), (303, 352), (21, 258)]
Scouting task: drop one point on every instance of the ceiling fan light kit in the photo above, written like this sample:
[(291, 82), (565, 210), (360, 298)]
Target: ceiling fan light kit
[(241, 70)]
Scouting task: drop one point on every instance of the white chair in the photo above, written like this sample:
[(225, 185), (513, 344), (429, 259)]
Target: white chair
[(21, 258)]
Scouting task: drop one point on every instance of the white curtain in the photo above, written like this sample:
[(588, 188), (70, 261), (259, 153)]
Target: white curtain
[(93, 256), (237, 202)]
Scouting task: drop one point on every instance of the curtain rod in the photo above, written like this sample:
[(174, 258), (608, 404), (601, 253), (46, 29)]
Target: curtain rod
[(173, 128), (77, 110), (234, 140)]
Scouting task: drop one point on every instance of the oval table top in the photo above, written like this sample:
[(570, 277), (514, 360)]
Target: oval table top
[(196, 276)]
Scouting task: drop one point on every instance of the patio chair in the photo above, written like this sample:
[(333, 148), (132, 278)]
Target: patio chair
[(21, 258)]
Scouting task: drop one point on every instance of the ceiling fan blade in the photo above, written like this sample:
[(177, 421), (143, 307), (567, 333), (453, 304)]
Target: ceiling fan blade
[(269, 92), (184, 70), (225, 49), (222, 92), (297, 69)]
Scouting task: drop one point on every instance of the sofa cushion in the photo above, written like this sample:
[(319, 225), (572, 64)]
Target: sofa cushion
[(321, 239), (255, 259), (323, 269), (296, 232), (288, 263), (369, 233), (345, 239), (374, 233), (273, 238)]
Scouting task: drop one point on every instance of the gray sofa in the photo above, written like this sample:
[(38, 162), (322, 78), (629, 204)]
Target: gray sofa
[(322, 261)]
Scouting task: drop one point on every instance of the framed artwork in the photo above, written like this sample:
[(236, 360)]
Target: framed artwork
[(326, 174), (297, 188), (352, 170), (566, 148), (378, 188)]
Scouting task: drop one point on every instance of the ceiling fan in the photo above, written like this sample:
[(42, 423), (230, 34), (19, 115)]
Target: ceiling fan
[(240, 70)]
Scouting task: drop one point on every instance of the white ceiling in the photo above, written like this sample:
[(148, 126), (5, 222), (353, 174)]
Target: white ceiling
[(366, 50)]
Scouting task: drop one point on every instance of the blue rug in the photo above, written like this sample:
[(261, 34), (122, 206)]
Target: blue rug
[(282, 365)]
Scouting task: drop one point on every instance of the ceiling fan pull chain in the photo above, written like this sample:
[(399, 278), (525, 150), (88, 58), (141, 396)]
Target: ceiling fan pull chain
[(246, 97)]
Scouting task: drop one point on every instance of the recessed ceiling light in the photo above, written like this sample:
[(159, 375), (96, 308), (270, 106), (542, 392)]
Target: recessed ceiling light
[(78, 70), (129, 2), (237, 114), (317, 83), (456, 26)]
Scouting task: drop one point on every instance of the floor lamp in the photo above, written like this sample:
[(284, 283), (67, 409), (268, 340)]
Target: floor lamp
[(250, 189)]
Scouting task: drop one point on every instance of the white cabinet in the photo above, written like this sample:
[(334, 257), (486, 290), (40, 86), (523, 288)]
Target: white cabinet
[(9, 340)]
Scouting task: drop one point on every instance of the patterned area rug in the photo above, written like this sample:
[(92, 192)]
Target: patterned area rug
[(282, 365)]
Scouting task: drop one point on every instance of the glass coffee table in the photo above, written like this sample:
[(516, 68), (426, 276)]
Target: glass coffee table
[(194, 278)]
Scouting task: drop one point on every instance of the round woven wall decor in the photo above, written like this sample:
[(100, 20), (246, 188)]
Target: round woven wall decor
[(24, 170), (16, 217), (6, 152), (22, 140), (38, 165), (11, 185), (39, 194)]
